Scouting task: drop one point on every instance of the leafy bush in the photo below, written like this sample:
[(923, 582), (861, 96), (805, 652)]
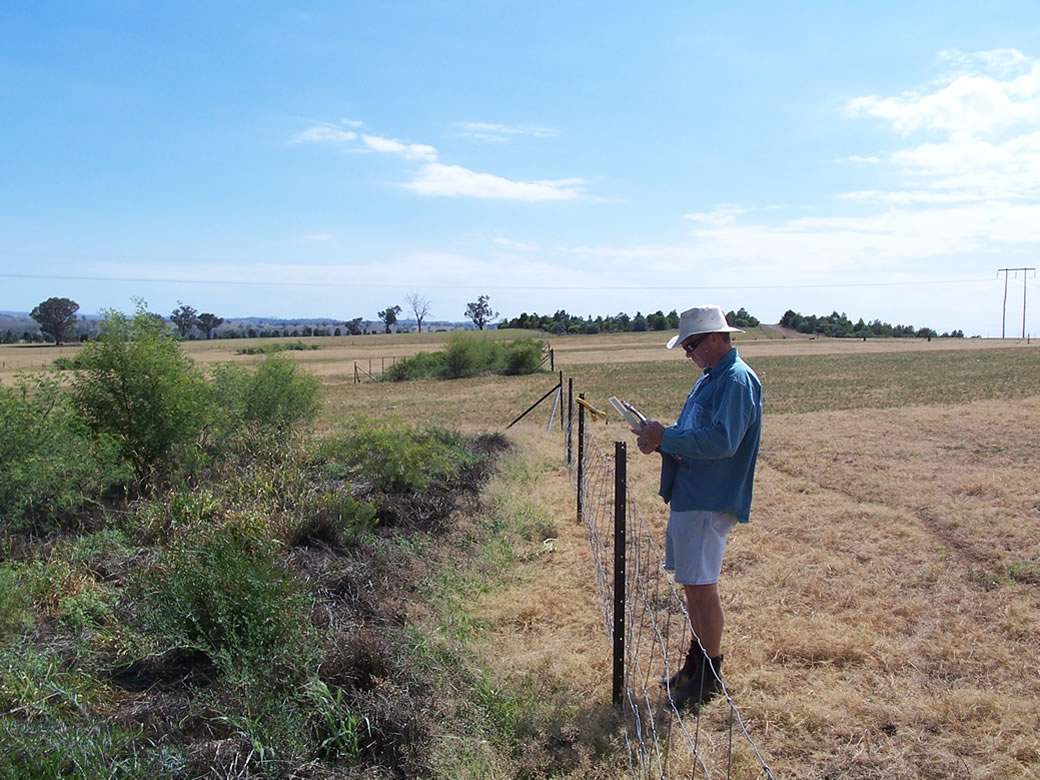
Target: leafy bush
[(276, 398), (468, 355), (52, 463), (65, 363), (397, 459), (523, 357), (218, 589), (419, 366), (136, 385), (270, 349)]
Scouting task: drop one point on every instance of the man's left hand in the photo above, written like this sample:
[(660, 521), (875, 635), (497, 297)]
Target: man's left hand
[(650, 437)]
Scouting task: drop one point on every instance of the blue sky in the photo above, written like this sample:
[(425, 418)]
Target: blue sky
[(329, 158)]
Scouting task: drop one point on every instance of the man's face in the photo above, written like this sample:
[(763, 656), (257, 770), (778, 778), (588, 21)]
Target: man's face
[(696, 348)]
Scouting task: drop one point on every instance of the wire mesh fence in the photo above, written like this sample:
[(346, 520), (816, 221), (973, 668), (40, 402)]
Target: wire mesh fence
[(663, 739)]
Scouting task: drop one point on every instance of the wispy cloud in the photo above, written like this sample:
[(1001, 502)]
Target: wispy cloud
[(408, 151), (317, 237), (989, 92), (454, 180), (324, 134), (723, 214), (984, 117), (493, 132)]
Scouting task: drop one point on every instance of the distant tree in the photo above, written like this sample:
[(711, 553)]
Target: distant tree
[(354, 326), (639, 323), (185, 318), (742, 319), (480, 312), (209, 322), (56, 316), (10, 337), (657, 320), (420, 307), (389, 316)]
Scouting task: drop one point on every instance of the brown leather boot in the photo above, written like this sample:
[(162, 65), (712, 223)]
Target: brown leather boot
[(702, 688), (691, 668)]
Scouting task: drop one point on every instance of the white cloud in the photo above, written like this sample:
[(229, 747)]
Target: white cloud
[(408, 151), (723, 214), (494, 132), (989, 93), (351, 122), (317, 237), (324, 133), (454, 180)]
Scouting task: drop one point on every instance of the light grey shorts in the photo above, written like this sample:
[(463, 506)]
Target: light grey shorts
[(694, 543)]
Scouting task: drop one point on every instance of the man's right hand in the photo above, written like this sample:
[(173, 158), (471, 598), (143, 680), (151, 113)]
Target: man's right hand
[(650, 436)]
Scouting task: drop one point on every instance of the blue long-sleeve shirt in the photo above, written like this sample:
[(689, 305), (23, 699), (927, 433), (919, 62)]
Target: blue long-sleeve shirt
[(716, 440)]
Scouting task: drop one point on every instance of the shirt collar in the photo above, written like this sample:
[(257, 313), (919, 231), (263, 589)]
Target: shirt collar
[(724, 362)]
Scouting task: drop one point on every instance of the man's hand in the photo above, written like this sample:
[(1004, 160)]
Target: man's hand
[(650, 436)]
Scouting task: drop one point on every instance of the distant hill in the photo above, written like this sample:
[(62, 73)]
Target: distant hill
[(20, 322)]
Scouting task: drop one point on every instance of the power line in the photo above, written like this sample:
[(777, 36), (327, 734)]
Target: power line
[(375, 285)]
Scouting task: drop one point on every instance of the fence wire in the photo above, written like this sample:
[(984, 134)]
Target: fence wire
[(661, 739)]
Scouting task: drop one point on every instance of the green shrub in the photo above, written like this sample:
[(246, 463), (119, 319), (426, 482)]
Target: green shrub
[(397, 459), (136, 385), (270, 349), (468, 355), (523, 357), (52, 463), (421, 365), (218, 589), (65, 363), (277, 398)]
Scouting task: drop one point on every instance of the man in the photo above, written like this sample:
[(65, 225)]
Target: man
[(707, 470)]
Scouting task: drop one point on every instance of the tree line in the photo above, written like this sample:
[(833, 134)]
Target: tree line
[(57, 320), (561, 322), (839, 326)]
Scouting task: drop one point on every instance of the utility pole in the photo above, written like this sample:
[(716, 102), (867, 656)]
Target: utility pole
[(1025, 275)]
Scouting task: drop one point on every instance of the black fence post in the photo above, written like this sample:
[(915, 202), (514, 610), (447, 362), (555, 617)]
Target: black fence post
[(562, 427), (570, 420), (581, 456), (620, 495)]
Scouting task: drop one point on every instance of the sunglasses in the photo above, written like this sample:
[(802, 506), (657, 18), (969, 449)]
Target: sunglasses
[(694, 344)]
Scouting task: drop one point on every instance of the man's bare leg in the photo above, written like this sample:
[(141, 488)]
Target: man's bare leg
[(705, 608)]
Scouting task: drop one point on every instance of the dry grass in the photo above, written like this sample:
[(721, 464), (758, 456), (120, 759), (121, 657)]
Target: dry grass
[(882, 606)]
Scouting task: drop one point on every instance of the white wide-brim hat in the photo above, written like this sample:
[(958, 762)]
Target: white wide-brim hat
[(701, 319)]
